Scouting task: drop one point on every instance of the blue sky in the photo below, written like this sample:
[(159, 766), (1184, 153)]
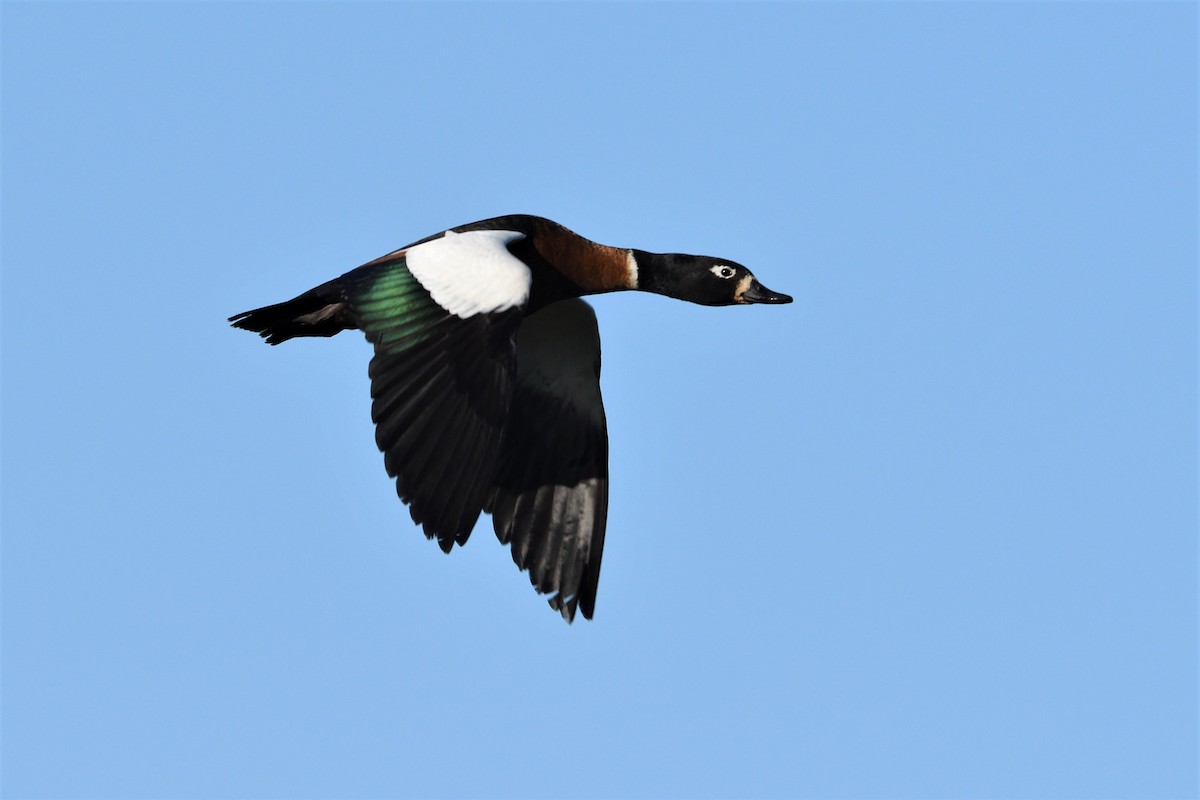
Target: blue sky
[(928, 532)]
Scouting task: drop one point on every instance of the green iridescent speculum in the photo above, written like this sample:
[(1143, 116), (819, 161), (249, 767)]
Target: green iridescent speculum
[(395, 306)]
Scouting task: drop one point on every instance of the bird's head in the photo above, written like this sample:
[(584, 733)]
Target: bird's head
[(701, 279)]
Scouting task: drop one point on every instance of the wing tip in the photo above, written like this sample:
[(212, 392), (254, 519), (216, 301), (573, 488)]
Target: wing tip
[(565, 605)]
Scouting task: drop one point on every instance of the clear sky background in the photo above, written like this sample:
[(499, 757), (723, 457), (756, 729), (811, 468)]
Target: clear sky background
[(928, 532)]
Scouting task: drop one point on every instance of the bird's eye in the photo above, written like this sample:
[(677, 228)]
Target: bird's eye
[(722, 271)]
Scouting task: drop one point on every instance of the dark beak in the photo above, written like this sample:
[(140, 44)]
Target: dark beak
[(757, 293)]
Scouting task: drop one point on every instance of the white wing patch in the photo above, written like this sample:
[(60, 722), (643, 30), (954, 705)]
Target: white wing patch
[(471, 273)]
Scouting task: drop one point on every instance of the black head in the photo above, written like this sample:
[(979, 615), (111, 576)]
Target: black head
[(701, 279)]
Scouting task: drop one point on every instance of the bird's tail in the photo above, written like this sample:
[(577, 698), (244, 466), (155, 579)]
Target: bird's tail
[(318, 312)]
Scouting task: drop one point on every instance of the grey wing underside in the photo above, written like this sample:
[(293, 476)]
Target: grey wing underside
[(550, 498)]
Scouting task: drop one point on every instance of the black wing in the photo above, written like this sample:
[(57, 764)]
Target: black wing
[(440, 388), (551, 490)]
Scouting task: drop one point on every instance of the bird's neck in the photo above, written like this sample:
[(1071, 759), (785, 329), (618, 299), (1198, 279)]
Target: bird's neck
[(593, 268)]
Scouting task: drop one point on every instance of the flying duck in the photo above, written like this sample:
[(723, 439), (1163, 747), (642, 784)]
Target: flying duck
[(485, 383)]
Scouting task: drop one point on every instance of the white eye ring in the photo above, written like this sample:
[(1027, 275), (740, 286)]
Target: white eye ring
[(722, 271)]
